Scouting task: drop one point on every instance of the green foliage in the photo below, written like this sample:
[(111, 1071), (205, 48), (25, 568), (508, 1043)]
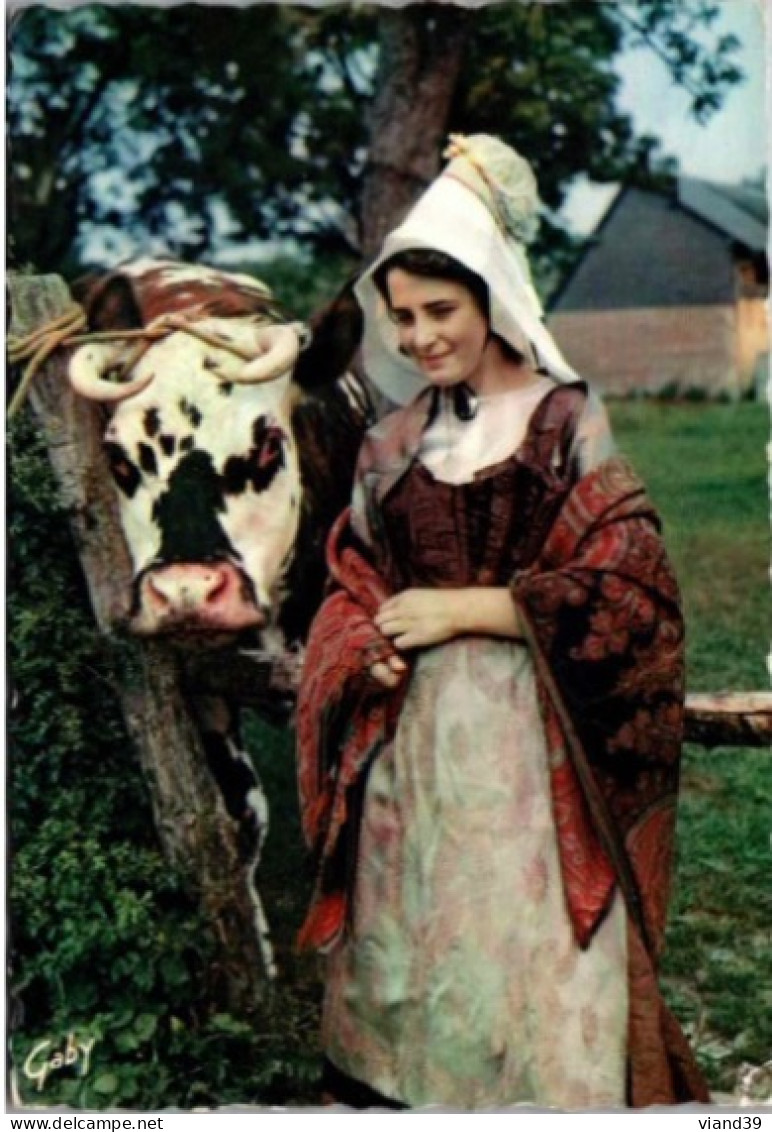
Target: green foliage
[(156, 1058), (543, 76), (681, 36), (103, 96), (177, 129), (65, 720)]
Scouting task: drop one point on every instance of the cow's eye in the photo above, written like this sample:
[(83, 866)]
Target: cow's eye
[(257, 469), (125, 473), (270, 449)]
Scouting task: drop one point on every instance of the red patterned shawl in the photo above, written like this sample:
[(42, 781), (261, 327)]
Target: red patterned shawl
[(344, 717), (600, 610)]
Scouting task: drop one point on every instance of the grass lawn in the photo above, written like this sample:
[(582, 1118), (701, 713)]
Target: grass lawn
[(706, 469)]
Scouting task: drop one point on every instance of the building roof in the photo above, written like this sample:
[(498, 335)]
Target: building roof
[(740, 211), (658, 249)]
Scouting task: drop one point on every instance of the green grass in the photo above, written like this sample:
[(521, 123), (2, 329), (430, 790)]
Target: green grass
[(705, 467)]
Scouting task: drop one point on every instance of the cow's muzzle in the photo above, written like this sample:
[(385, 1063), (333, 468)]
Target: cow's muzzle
[(195, 598)]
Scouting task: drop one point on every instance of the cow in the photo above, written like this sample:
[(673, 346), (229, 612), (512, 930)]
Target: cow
[(232, 451)]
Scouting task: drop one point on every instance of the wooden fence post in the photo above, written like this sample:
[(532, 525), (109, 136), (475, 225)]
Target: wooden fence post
[(197, 836)]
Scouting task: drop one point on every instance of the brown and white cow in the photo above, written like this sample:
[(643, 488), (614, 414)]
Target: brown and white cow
[(231, 456)]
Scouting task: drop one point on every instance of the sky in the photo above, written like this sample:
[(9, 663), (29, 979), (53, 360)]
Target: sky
[(733, 144)]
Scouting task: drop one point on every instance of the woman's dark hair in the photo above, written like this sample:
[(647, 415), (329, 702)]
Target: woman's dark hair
[(432, 264)]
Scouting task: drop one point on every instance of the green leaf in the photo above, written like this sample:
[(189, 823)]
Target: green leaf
[(106, 1084), (145, 1025), (229, 1025)]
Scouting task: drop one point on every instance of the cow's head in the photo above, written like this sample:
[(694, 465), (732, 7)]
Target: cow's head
[(200, 443)]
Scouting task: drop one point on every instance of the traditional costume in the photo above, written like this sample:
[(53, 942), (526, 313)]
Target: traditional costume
[(494, 837)]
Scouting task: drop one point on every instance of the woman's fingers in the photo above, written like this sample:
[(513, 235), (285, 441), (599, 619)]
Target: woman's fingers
[(390, 623), (414, 638), (383, 672), (403, 632), (400, 603), (398, 614), (417, 618)]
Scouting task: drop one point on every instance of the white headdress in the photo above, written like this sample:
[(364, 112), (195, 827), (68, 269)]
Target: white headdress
[(481, 210)]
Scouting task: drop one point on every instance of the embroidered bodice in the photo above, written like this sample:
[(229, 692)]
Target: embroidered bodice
[(479, 532)]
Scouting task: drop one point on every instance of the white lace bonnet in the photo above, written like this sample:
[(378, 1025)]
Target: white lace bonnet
[(481, 210)]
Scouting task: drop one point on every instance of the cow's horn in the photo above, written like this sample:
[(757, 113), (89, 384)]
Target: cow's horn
[(281, 346), (88, 366)]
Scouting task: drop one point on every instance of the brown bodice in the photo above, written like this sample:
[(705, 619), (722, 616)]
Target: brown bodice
[(478, 533)]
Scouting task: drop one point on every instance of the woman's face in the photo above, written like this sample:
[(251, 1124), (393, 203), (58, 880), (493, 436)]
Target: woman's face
[(440, 327)]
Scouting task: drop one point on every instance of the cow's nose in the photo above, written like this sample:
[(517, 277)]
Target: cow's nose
[(196, 597), (188, 586)]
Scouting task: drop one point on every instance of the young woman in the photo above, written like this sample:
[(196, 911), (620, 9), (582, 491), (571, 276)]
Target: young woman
[(489, 722)]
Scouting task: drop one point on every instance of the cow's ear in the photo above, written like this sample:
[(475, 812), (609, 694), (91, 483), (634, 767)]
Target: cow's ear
[(109, 302), (336, 334)]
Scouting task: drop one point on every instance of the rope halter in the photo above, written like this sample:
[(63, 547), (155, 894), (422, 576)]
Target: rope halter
[(278, 345)]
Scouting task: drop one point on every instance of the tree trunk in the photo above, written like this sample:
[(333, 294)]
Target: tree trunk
[(421, 51), (197, 836), (74, 441)]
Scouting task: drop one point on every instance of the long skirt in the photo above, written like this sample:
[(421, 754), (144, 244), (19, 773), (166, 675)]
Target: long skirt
[(461, 983)]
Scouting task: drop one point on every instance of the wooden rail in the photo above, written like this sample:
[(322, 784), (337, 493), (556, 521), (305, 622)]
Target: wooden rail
[(729, 719)]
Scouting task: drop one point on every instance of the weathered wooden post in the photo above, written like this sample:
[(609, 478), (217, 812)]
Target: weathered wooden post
[(197, 836)]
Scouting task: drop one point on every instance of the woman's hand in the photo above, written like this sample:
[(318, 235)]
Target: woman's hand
[(417, 618)]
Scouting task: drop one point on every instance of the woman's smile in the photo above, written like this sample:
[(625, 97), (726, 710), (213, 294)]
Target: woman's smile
[(433, 361)]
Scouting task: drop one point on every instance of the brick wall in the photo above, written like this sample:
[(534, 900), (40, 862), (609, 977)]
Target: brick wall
[(650, 349)]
